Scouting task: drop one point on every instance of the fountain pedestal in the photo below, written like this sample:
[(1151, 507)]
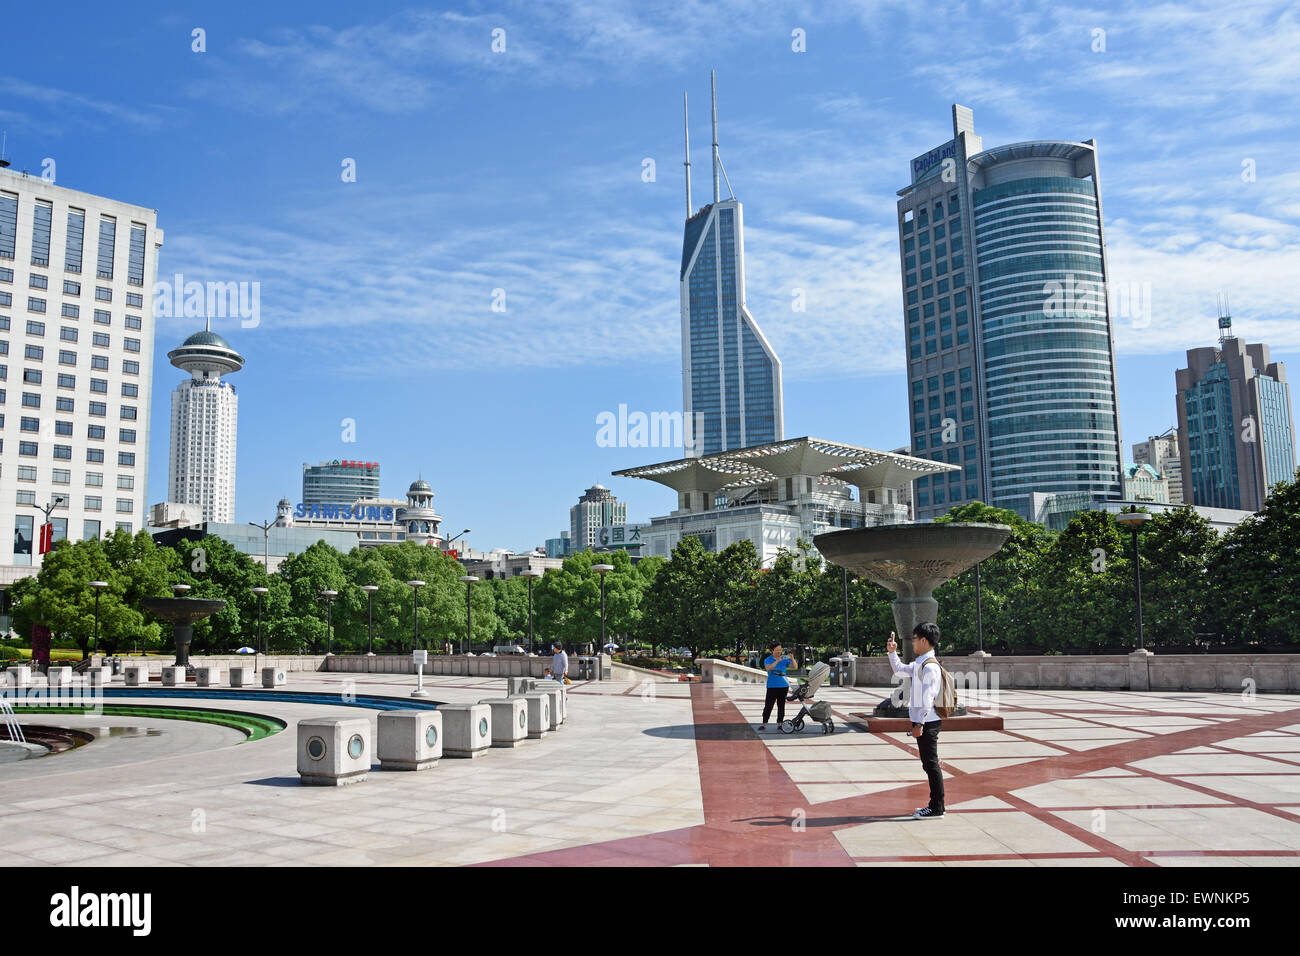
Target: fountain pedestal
[(183, 613)]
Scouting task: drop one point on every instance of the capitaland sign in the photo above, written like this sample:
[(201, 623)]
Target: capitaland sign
[(346, 512), (927, 161)]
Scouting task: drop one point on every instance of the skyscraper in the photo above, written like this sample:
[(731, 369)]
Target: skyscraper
[(1011, 364), (205, 412), (1236, 436), (597, 508), (731, 378), (78, 335), (339, 482), (1161, 453)]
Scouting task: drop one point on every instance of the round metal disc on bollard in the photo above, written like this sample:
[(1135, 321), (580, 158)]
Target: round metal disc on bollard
[(316, 748), (356, 746), (523, 718), (431, 735), (482, 727)]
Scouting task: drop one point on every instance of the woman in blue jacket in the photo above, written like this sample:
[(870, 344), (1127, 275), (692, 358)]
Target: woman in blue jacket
[(777, 685)]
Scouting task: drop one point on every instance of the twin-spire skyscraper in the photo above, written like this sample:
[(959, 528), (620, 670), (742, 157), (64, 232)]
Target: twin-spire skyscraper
[(731, 378)]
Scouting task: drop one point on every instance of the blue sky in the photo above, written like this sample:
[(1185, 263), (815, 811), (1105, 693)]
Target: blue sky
[(522, 170)]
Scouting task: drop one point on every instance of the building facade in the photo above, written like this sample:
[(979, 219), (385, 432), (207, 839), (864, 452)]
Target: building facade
[(339, 482), (731, 377), (76, 350), (596, 509), (205, 422), (1236, 435), (1161, 453), (1011, 365), (1143, 483)]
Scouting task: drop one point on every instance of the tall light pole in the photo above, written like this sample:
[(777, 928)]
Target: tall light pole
[(845, 574), (97, 586), (328, 597), (447, 544), (979, 608), (370, 590), (530, 574), (261, 596), (415, 591), (602, 570), (46, 509), (1133, 521), (266, 527), (469, 580)]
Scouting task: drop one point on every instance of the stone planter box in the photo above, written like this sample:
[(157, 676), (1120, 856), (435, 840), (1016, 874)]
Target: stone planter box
[(410, 739), (539, 714), (509, 720), (173, 677), (273, 676), (241, 676), (333, 751), (59, 676), (467, 729), (207, 676), (137, 675)]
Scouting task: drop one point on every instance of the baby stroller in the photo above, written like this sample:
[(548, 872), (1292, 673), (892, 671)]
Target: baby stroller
[(819, 710)]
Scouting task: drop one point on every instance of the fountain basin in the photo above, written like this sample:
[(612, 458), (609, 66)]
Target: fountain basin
[(183, 614)]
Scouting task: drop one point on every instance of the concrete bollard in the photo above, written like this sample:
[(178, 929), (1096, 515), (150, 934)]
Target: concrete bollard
[(538, 705), (333, 751), (466, 729), (208, 675), (409, 739), (518, 686), (19, 678), (509, 720), (99, 676), (273, 677), (241, 676), (59, 676), (553, 691), (173, 677), (137, 675)]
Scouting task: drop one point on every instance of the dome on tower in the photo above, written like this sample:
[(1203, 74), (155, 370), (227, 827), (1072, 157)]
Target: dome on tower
[(419, 487), (206, 338)]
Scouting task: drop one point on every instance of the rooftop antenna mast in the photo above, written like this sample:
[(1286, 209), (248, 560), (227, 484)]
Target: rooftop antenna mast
[(713, 83), (686, 122), (4, 160), (1225, 318)]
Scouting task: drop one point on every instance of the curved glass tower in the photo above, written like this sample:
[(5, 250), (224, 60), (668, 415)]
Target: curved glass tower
[(1011, 364)]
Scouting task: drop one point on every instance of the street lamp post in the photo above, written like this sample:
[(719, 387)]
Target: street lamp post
[(46, 509), (1133, 521), (415, 591), (261, 596), (266, 527), (979, 609), (328, 597), (447, 544), (845, 576), (469, 580), (602, 570), (97, 586), (370, 590), (530, 574)]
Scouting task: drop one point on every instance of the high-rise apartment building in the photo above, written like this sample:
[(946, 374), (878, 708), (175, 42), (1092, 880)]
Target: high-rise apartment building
[(76, 343), (205, 416), (1236, 436), (731, 377), (339, 482), (1161, 453), (1011, 364), (596, 509)]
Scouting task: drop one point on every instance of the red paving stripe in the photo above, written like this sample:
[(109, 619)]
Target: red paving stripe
[(1082, 834), (984, 857)]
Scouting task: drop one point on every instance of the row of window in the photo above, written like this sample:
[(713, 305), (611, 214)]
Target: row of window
[(90, 502), (42, 227), (24, 527), (96, 432), (63, 476), (30, 449)]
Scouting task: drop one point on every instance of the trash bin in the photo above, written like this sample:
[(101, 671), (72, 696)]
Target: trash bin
[(837, 672), (117, 666), (849, 662)]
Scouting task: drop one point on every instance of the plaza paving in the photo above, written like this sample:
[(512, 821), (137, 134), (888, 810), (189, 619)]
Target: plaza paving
[(675, 774)]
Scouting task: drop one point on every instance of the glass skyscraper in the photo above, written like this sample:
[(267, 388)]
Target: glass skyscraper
[(1011, 365), (731, 378)]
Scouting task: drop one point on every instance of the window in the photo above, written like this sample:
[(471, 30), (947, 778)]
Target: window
[(71, 311), (32, 376), (34, 304), (102, 294), (124, 526), (26, 497), (94, 502), (63, 403), (31, 400), (99, 385), (135, 256), (126, 436), (95, 431), (35, 328), (124, 505), (6, 275), (26, 472), (102, 317), (35, 281), (43, 215), (29, 424), (130, 344), (99, 338), (61, 476), (63, 452), (68, 334), (126, 458), (130, 389), (94, 479), (98, 408), (27, 448), (8, 231), (67, 358), (107, 241), (71, 288), (135, 300), (134, 322), (6, 298), (99, 362), (33, 352), (76, 235), (130, 367), (63, 428), (67, 381), (94, 455), (89, 530)]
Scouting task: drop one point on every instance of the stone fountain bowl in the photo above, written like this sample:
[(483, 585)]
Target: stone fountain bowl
[(182, 610), (912, 559)]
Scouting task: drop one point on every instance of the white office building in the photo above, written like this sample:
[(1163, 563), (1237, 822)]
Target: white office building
[(76, 353), (205, 416)]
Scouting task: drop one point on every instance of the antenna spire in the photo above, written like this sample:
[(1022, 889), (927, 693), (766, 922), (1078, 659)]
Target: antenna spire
[(686, 123), (4, 160), (713, 83)]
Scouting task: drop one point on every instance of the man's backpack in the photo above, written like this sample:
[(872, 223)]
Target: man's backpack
[(945, 702)]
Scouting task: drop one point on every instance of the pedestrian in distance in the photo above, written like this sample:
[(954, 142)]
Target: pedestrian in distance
[(778, 686), (926, 676), (560, 664)]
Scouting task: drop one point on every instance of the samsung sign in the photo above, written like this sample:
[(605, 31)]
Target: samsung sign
[(346, 512), (927, 161)]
